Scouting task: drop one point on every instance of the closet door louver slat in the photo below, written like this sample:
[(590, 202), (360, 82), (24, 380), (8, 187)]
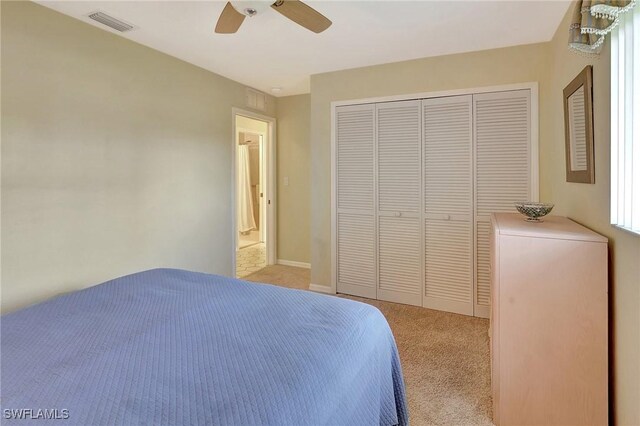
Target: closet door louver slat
[(399, 156), (355, 134), (399, 135), (503, 171), (448, 204), (356, 260), (355, 196), (449, 271), (483, 262), (400, 268)]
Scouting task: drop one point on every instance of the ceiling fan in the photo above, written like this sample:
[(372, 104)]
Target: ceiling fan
[(234, 13)]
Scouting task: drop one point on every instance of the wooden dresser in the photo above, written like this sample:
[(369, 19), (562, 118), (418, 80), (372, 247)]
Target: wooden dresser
[(548, 330)]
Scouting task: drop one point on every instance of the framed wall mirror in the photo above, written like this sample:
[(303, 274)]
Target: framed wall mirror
[(578, 128)]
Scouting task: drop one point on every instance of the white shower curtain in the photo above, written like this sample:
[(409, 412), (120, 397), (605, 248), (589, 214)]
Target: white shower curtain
[(246, 221)]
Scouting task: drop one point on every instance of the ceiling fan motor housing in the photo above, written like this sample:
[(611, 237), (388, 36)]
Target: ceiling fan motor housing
[(251, 7)]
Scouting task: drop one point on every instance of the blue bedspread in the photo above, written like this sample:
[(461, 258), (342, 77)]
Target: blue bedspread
[(181, 348)]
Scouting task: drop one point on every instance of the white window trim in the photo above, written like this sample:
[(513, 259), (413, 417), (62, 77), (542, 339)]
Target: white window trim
[(625, 123)]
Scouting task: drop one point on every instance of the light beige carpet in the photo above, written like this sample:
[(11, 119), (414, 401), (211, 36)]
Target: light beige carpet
[(445, 357)]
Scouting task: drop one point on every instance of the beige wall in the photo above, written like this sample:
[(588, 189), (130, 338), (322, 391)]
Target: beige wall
[(294, 162), (487, 68), (115, 158), (589, 205)]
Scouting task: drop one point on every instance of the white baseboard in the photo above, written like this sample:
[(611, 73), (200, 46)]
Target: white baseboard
[(293, 263), (321, 288)]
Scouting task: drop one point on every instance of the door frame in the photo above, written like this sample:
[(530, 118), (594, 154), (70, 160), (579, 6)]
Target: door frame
[(270, 210), (534, 157)]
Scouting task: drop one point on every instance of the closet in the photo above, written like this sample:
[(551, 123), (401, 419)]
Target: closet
[(415, 183)]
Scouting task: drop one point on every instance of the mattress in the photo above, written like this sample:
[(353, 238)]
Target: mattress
[(173, 347)]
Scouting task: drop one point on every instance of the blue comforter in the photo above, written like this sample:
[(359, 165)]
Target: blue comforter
[(181, 348)]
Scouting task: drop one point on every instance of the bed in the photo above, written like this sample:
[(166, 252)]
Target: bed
[(175, 347)]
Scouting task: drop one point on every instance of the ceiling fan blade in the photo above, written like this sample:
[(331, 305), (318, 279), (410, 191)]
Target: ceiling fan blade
[(302, 14), (229, 21)]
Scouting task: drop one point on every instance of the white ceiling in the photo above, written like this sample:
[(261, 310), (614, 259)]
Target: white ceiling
[(271, 51)]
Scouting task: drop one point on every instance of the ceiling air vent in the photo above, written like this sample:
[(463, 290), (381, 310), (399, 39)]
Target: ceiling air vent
[(111, 22), (256, 100)]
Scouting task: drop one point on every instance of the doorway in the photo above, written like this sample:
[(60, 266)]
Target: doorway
[(253, 193)]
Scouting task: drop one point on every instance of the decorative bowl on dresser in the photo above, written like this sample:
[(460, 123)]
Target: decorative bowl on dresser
[(533, 211), (549, 322)]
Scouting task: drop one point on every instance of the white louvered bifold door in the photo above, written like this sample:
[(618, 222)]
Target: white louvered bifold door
[(399, 187), (448, 203), (502, 132), (355, 197)]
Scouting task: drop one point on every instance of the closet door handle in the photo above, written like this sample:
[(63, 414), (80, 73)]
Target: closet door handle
[(398, 214)]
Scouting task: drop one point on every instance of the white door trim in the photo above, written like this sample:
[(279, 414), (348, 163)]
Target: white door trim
[(532, 86), (269, 187)]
